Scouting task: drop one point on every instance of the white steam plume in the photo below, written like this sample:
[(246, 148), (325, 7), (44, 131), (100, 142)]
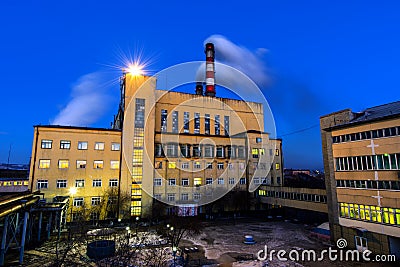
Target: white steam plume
[(88, 103), (238, 57)]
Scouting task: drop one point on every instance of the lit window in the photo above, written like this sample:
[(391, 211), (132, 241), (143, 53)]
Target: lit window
[(98, 164), (220, 180), (276, 152), (78, 202), (44, 164), (157, 181), (99, 146), (80, 183), (47, 144), (197, 164), (171, 165), (82, 145), (197, 181), (254, 152), (231, 181), (261, 151), (113, 182), (172, 181), (65, 144), (115, 146), (96, 183), (185, 196), (115, 164), (261, 192), (185, 182), (209, 180), (277, 166), (63, 164), (61, 183), (42, 184), (96, 201), (158, 165), (81, 164)]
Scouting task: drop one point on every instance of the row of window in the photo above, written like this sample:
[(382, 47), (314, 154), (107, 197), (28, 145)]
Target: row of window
[(374, 162), (293, 196), (368, 184), (13, 183), (79, 183), (79, 201), (196, 121), (80, 164), (82, 145), (370, 213), (198, 181), (207, 151), (183, 197), (379, 133), (209, 165)]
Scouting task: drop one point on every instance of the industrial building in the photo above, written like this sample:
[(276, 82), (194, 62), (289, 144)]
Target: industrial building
[(180, 149), (361, 153)]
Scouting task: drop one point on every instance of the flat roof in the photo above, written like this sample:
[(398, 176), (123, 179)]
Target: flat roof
[(77, 128)]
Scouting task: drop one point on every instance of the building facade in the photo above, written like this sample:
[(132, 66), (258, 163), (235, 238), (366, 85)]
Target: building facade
[(184, 150), (362, 166)]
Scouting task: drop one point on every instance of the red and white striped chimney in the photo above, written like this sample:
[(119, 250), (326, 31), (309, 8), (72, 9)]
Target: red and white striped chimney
[(210, 70)]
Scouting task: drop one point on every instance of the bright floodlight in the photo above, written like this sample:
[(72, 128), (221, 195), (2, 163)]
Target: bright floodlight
[(135, 69), (72, 191)]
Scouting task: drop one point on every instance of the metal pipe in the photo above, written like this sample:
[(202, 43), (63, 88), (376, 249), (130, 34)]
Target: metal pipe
[(3, 241), (7, 201), (21, 250), (18, 207)]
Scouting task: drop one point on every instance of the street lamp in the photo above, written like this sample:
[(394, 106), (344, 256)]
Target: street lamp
[(128, 231)]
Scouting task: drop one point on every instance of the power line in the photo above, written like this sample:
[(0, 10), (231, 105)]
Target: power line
[(300, 131)]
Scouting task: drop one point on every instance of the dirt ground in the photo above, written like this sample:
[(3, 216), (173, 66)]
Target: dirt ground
[(223, 243)]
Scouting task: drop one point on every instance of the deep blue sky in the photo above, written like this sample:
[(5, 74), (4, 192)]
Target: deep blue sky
[(323, 56)]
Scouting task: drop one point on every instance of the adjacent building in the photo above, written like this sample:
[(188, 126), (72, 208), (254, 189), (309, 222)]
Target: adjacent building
[(361, 153)]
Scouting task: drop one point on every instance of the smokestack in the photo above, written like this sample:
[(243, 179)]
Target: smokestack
[(199, 88), (210, 70)]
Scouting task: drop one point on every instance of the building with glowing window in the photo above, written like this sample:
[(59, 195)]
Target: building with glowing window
[(362, 168), (182, 150)]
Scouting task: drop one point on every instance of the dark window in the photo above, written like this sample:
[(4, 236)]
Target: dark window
[(186, 122), (196, 123), (139, 113), (217, 125), (206, 123), (175, 126), (226, 125), (164, 115)]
